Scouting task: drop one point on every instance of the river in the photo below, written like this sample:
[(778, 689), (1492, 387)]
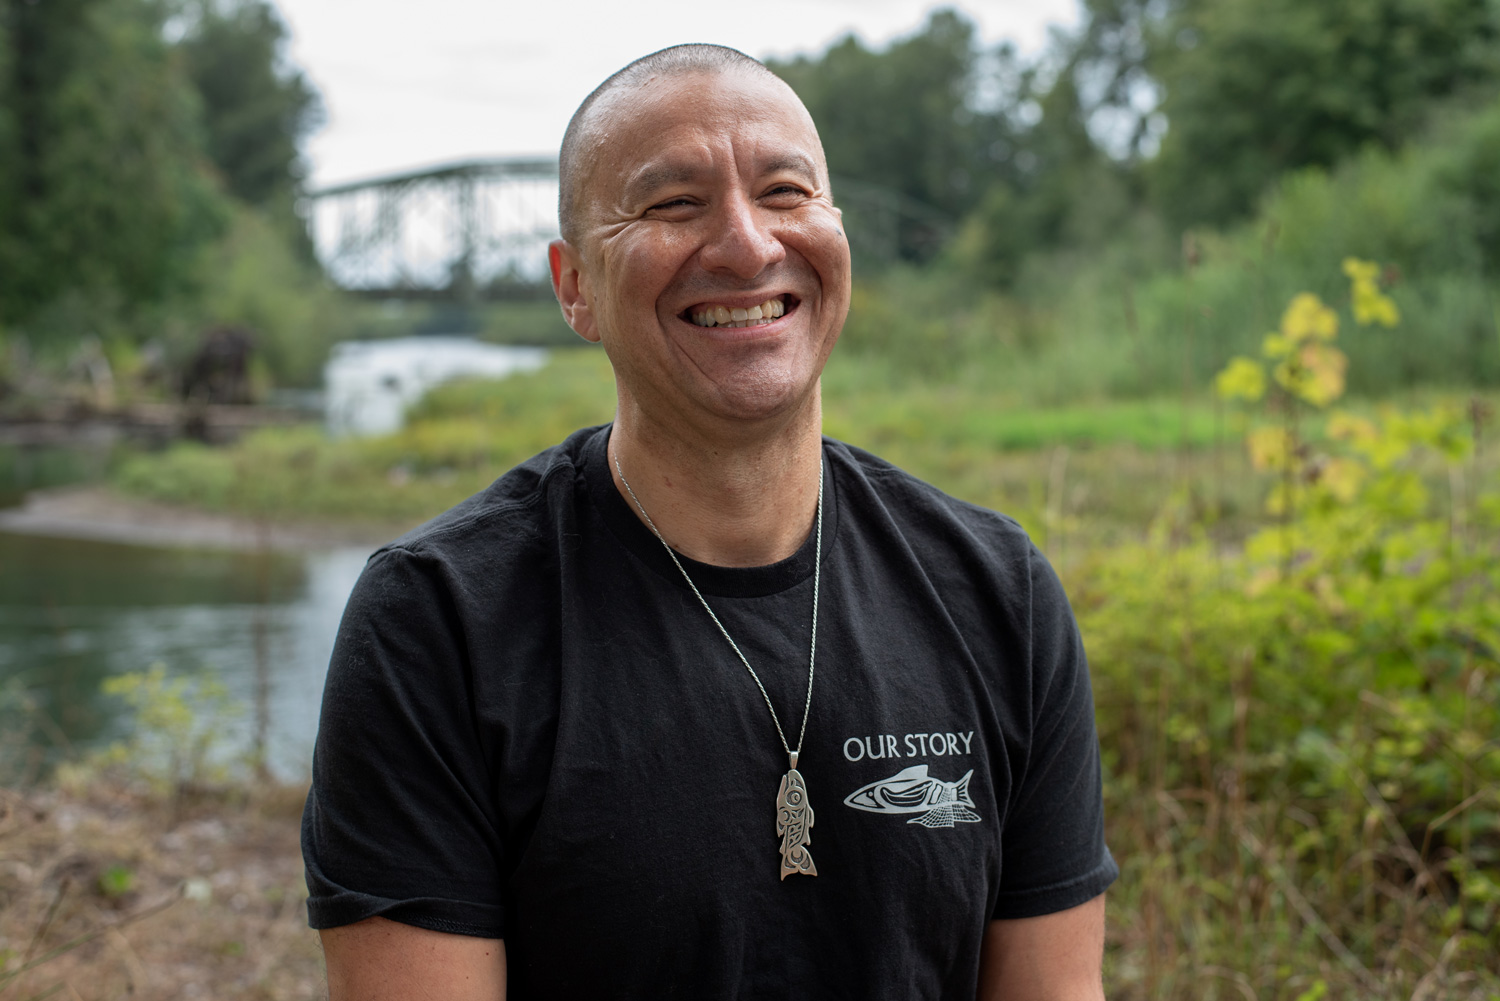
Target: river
[(74, 612)]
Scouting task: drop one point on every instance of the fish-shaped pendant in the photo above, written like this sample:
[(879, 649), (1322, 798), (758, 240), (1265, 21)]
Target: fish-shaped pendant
[(794, 820)]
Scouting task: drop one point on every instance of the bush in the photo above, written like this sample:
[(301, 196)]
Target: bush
[(253, 277), (1305, 781), (179, 738)]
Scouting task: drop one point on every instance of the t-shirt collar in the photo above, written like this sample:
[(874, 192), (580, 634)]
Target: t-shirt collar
[(729, 582)]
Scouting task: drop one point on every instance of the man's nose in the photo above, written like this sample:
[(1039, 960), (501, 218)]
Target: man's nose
[(742, 242)]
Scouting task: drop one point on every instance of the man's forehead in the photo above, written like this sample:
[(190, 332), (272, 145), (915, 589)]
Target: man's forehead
[(679, 167), (728, 107)]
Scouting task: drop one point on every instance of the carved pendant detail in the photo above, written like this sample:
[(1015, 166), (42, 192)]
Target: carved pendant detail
[(794, 820)]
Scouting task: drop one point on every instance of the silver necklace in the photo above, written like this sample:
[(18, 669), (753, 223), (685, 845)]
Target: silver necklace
[(794, 815)]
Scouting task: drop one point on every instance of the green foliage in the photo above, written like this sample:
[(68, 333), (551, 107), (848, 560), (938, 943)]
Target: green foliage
[(1059, 151), (256, 109), (458, 439), (1057, 154), (177, 743), (1061, 190), (971, 133), (574, 390), (1467, 171), (1043, 212), (924, 327), (127, 163), (253, 277), (1138, 319), (101, 195), (1256, 88), (903, 118), (878, 406), (23, 469), (1302, 732), (1109, 55)]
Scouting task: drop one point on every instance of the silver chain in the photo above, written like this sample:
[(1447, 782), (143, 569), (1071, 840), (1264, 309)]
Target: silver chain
[(812, 655)]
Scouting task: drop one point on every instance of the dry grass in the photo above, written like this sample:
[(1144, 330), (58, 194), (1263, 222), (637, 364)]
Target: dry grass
[(106, 894)]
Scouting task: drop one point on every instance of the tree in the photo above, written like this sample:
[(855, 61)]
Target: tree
[(1069, 179), (256, 108), (104, 196), (1107, 62), (1061, 191), (1254, 88), (10, 152), (908, 118)]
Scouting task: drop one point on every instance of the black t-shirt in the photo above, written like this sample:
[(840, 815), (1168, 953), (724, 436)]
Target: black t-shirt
[(533, 731)]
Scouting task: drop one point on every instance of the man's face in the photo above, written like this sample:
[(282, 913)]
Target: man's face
[(708, 197)]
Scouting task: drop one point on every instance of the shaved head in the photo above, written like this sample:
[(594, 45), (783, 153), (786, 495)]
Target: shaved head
[(581, 146)]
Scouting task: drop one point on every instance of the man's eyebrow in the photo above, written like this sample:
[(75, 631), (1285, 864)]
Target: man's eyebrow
[(655, 176), (793, 160)]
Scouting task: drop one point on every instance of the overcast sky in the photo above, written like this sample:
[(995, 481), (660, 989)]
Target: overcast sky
[(407, 84)]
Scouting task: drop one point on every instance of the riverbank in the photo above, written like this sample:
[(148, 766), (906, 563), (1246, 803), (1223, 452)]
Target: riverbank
[(112, 894), (101, 514)]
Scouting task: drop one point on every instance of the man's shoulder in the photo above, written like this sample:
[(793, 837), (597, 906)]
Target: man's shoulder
[(923, 508), (517, 506)]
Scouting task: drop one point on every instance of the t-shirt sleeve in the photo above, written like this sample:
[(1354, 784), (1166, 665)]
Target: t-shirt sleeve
[(1052, 849), (400, 821)]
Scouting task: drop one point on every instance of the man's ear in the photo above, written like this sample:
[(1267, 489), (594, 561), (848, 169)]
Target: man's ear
[(567, 285)]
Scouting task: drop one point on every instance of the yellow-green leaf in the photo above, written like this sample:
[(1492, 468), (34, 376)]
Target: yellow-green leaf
[(1242, 379)]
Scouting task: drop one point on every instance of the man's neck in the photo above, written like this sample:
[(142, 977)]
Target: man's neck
[(736, 501)]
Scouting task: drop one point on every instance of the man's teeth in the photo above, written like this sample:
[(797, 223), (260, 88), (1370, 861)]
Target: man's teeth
[(724, 316)]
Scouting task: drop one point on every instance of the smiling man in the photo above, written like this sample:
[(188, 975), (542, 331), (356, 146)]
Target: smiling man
[(700, 703)]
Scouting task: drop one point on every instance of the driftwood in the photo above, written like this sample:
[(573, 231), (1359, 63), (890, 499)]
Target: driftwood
[(63, 424)]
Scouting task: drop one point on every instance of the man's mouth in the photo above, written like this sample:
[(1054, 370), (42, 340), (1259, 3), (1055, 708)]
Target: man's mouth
[(714, 315)]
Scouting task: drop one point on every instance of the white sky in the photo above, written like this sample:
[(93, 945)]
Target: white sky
[(409, 84)]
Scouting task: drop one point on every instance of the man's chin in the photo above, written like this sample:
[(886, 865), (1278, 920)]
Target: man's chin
[(762, 400)]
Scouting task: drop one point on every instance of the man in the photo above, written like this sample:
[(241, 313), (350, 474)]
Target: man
[(701, 704)]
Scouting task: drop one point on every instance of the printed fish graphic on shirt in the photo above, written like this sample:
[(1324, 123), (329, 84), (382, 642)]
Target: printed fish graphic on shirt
[(912, 790), (794, 820)]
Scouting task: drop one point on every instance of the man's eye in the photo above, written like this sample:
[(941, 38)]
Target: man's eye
[(672, 203), (783, 190)]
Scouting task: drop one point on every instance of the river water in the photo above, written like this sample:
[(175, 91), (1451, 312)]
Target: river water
[(74, 612)]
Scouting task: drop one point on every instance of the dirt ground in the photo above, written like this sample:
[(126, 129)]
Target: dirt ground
[(105, 895)]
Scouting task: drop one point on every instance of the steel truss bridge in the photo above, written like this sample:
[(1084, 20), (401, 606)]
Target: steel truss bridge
[(478, 229)]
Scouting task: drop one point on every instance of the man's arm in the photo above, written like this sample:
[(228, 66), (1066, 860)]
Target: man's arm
[(382, 960), (1055, 957)]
